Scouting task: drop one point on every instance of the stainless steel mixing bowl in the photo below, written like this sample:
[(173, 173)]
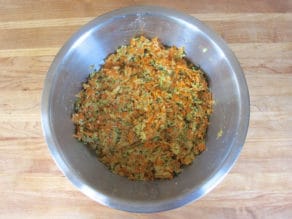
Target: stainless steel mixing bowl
[(90, 46)]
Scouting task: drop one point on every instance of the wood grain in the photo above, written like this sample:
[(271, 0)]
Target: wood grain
[(259, 33)]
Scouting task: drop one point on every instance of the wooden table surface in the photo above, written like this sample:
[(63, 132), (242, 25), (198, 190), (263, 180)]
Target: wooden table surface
[(260, 34)]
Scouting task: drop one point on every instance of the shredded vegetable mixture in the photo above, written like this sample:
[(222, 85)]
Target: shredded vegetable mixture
[(145, 112)]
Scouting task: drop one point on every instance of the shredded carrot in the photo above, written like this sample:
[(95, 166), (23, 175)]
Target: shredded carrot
[(145, 112)]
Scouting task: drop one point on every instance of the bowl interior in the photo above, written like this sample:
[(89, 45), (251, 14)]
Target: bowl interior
[(90, 46)]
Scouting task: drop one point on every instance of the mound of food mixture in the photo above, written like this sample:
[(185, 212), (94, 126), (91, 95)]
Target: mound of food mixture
[(145, 112)]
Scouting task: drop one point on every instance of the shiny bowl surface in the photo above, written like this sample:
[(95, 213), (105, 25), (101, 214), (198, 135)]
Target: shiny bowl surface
[(90, 46)]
